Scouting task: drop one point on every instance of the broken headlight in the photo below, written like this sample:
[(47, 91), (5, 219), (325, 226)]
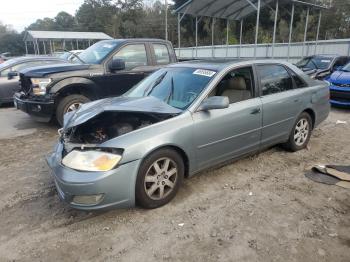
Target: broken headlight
[(39, 85), (91, 160)]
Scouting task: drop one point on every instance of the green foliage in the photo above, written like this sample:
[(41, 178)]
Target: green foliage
[(138, 18)]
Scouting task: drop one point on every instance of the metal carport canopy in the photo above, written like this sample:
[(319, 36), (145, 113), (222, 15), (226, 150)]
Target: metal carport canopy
[(224, 9), (238, 10)]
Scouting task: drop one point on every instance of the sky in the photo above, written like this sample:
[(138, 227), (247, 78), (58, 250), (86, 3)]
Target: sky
[(21, 13)]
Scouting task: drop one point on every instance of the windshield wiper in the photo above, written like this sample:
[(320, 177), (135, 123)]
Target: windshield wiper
[(157, 82), (75, 55), (171, 91)]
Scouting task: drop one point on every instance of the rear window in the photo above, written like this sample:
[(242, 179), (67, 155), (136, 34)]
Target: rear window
[(274, 79), (162, 54)]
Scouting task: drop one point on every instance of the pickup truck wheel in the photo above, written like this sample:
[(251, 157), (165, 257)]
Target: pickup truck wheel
[(301, 133), (68, 104), (159, 178)]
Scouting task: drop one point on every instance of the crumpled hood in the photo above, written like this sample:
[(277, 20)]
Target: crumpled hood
[(340, 77), (148, 104), (41, 71)]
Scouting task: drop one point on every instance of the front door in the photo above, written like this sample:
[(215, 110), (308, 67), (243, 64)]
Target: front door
[(223, 134), (136, 68)]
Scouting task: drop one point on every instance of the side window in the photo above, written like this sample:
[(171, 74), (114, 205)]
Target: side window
[(162, 54), (299, 83), (133, 55), (274, 79), (237, 85), (342, 61)]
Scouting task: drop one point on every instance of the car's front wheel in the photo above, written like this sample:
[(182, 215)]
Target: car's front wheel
[(68, 104), (159, 178), (301, 133)]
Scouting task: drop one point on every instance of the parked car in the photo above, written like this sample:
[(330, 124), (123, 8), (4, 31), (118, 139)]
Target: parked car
[(70, 55), (9, 73), (186, 117), (340, 87), (107, 68), (322, 66)]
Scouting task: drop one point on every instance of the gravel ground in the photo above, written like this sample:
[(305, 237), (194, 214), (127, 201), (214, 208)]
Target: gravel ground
[(260, 208)]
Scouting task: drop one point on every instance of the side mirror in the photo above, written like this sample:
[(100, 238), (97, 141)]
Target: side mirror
[(11, 75), (214, 102), (117, 64)]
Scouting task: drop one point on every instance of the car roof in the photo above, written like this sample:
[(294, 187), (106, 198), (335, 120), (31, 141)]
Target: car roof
[(125, 40), (220, 64)]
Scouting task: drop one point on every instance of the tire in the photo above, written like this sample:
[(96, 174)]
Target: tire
[(301, 133), (65, 103), (157, 180)]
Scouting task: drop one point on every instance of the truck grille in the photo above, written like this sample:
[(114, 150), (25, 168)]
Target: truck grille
[(25, 84)]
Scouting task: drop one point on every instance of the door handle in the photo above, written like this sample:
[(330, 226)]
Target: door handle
[(256, 111), (296, 100)]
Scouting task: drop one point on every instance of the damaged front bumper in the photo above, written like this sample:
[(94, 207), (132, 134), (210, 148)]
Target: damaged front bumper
[(94, 190), (40, 109)]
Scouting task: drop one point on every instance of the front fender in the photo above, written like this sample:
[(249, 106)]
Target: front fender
[(74, 81)]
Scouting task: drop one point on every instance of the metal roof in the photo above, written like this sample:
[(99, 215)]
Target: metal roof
[(230, 9), (47, 35)]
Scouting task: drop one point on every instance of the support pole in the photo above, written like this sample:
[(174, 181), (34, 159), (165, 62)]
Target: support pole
[(51, 47), (89, 42), (166, 20), (77, 43), (305, 30), (240, 38), (25, 43), (274, 30), (196, 36), (212, 37), (44, 47), (290, 30), (227, 32), (318, 30), (178, 32), (257, 28), (37, 47)]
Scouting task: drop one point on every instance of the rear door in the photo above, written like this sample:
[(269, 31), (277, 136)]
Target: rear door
[(281, 102)]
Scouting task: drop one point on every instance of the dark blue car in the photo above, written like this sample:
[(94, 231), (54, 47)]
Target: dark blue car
[(340, 87)]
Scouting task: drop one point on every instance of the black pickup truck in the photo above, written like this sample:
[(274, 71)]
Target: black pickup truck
[(107, 68)]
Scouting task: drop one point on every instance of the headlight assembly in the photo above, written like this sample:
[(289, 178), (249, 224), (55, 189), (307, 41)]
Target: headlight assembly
[(39, 85), (91, 160)]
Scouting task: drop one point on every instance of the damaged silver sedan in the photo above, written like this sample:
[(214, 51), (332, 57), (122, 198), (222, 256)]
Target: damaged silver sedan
[(138, 148)]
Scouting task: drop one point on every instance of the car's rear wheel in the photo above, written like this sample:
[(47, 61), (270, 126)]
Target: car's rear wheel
[(159, 178), (301, 133), (68, 104)]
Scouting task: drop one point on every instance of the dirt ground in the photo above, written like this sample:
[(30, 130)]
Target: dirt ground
[(260, 208)]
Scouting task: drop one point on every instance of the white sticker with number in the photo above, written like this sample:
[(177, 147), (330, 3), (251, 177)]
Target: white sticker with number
[(203, 72)]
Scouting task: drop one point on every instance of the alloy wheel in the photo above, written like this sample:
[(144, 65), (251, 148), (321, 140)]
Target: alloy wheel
[(73, 106), (161, 178), (301, 131)]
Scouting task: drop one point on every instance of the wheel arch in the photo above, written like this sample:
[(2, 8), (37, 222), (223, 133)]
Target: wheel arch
[(177, 149), (312, 114), (75, 85)]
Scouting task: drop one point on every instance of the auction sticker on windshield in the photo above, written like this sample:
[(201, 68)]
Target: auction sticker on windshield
[(203, 72)]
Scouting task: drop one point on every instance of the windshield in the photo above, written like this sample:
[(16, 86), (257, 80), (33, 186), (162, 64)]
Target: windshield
[(178, 87), (316, 62), (7, 63), (65, 55), (346, 68), (97, 52)]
